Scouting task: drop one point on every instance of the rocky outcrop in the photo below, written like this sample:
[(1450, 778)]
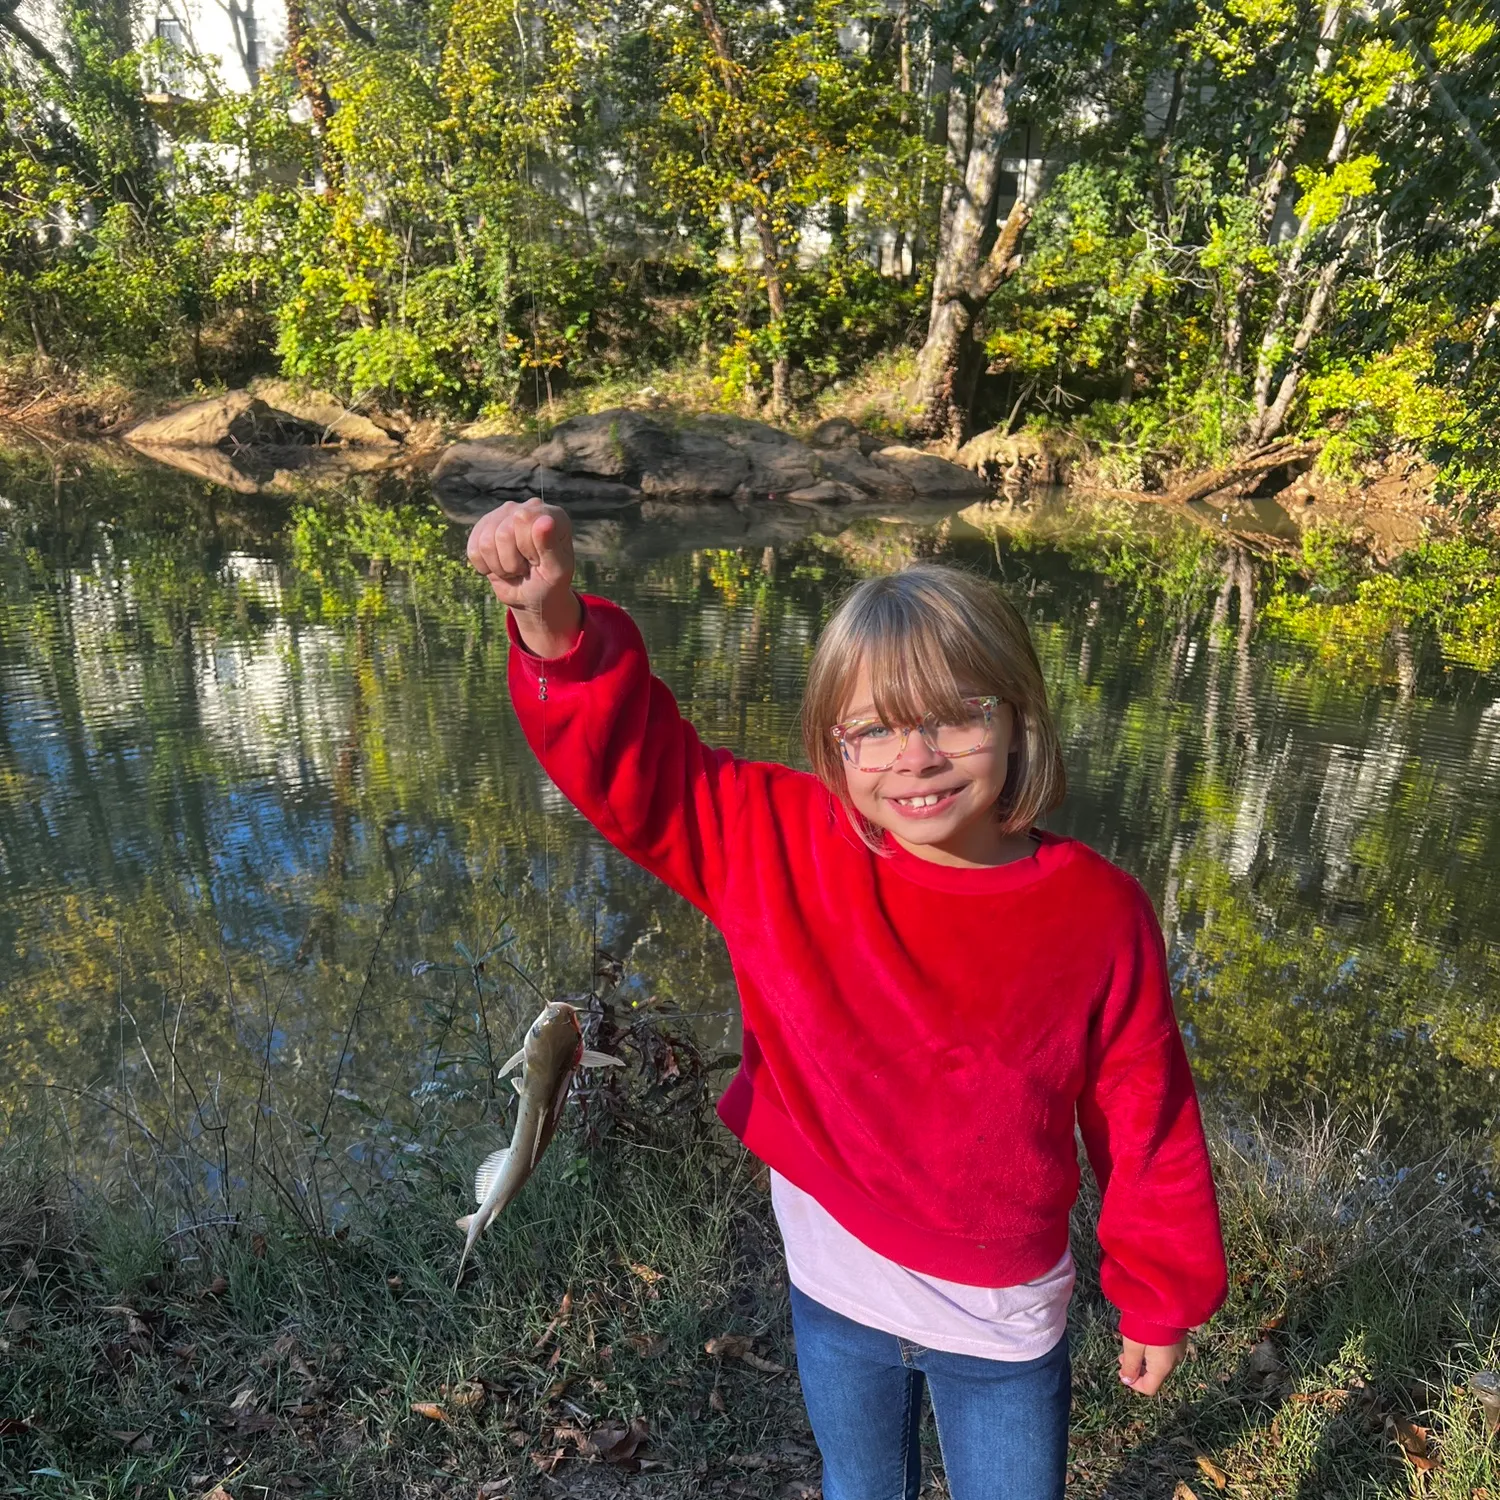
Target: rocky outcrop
[(273, 415), (1012, 459), (613, 459), (326, 412), (236, 420)]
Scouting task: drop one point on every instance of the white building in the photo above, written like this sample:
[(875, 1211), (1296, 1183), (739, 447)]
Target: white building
[(233, 41)]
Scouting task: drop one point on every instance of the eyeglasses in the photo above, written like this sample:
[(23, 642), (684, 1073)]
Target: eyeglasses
[(869, 745)]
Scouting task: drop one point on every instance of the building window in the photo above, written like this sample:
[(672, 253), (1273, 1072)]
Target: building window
[(173, 39)]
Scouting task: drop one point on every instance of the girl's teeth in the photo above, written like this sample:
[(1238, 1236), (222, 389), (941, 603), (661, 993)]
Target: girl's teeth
[(930, 800)]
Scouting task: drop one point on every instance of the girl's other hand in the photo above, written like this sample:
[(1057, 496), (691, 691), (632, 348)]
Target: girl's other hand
[(1145, 1367), (526, 553)]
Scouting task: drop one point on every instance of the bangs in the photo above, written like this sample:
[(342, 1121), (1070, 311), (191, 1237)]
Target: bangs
[(911, 664)]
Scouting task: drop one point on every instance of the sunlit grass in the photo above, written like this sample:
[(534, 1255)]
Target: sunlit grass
[(269, 1354)]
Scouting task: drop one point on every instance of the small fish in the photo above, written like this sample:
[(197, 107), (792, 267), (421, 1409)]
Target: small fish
[(552, 1052)]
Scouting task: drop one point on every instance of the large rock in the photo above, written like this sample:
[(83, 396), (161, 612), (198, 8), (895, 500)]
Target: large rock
[(473, 477), (324, 411), (236, 420), (599, 463), (1012, 459)]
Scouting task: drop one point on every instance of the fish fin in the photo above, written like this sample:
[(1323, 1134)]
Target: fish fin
[(600, 1060), (489, 1169), (517, 1085), (464, 1222), (538, 1138), (513, 1062)]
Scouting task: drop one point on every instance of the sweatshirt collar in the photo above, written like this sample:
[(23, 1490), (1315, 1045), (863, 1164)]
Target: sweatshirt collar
[(1052, 852)]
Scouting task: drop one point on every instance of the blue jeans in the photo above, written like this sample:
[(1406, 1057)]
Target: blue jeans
[(1002, 1425)]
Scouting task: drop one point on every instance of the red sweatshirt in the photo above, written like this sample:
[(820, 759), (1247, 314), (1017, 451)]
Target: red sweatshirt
[(918, 1039)]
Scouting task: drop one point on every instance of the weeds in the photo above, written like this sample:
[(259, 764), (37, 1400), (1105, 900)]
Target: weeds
[(283, 1325)]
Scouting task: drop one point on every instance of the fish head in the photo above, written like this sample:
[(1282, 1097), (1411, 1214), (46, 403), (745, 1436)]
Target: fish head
[(554, 1042)]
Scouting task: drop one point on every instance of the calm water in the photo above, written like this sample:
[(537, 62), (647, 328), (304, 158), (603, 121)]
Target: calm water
[(264, 808)]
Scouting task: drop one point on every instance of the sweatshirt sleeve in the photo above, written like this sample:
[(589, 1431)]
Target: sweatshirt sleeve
[(1163, 1250), (610, 736)]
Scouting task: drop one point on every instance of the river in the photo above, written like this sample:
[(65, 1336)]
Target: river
[(275, 859)]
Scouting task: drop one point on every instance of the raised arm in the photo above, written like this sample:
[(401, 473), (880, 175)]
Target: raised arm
[(606, 731), (1163, 1253)]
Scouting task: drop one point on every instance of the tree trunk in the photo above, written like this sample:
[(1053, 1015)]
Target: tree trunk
[(1268, 195), (964, 279), (1269, 423), (772, 255), (299, 46), (10, 22), (1268, 358)]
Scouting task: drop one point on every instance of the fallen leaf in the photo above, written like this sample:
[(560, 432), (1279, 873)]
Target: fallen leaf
[(1184, 1491), (645, 1273), (1413, 1439), (564, 1312), (716, 1400), (1212, 1471), (547, 1462), (739, 1346), (395, 1284), (216, 1288), (649, 1345), (243, 1399), (1265, 1359), (489, 1489), (14, 1426), (18, 1319), (429, 1409), (728, 1346), (258, 1246), (618, 1444), (751, 1460), (136, 1440), (464, 1395), (218, 1492)]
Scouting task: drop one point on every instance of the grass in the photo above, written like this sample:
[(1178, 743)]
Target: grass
[(276, 1360)]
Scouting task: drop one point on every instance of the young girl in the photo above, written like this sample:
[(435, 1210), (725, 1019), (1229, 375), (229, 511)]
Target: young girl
[(934, 993)]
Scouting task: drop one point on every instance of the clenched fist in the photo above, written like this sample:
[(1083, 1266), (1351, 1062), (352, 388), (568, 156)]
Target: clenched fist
[(526, 552)]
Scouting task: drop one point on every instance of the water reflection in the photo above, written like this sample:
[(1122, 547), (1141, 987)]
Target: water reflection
[(227, 737)]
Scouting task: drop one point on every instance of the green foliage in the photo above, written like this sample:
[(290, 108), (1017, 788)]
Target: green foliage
[(476, 208), (1443, 590)]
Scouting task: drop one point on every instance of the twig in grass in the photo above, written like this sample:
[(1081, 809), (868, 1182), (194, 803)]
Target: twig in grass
[(352, 1026)]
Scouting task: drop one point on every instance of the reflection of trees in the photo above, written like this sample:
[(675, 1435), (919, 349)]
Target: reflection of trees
[(213, 757)]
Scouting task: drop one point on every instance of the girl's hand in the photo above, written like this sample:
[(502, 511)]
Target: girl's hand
[(526, 552), (1145, 1367)]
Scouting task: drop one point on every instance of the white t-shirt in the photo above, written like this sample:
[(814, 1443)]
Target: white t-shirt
[(827, 1263)]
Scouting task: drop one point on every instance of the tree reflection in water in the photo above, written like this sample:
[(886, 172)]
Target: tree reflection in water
[(230, 729)]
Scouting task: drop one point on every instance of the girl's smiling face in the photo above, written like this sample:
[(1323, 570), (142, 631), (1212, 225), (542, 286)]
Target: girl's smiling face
[(936, 807)]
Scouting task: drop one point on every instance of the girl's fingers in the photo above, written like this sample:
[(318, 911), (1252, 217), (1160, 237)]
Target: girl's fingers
[(1145, 1367), (510, 559), (482, 548)]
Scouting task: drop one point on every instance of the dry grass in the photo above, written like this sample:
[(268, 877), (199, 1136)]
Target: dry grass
[(280, 1361)]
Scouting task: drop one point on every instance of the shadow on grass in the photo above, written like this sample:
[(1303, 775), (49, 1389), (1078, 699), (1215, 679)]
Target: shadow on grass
[(1360, 1296)]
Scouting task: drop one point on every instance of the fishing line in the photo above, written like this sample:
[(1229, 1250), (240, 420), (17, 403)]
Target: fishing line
[(536, 390)]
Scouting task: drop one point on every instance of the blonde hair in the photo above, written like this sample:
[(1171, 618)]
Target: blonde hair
[(930, 636)]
